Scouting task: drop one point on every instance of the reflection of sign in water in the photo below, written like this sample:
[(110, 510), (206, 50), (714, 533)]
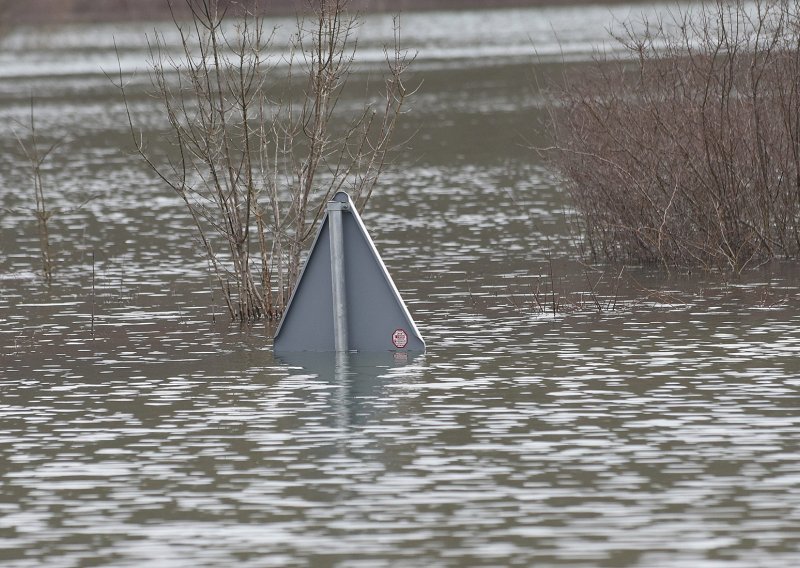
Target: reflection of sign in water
[(359, 382), (345, 299), (400, 338)]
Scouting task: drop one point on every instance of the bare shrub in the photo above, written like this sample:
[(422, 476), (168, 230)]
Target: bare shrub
[(37, 154), (257, 157), (685, 149)]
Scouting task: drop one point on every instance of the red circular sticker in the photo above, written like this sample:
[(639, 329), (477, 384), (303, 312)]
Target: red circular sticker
[(399, 338)]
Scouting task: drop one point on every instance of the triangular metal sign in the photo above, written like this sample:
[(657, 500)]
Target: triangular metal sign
[(345, 299)]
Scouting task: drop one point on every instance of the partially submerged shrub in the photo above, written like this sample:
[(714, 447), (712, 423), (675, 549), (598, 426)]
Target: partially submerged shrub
[(685, 149), (37, 154), (256, 163)]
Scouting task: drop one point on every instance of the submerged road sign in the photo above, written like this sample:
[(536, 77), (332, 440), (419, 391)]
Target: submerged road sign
[(345, 299)]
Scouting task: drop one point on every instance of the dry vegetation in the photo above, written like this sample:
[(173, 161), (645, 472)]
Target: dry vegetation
[(256, 161), (36, 154), (686, 149)]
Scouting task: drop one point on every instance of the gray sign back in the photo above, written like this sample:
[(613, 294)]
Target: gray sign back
[(377, 318)]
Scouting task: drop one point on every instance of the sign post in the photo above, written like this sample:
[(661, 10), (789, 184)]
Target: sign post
[(338, 282)]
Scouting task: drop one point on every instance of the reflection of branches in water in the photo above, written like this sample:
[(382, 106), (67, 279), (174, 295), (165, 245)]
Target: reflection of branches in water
[(612, 291), (549, 293), (595, 291), (24, 341)]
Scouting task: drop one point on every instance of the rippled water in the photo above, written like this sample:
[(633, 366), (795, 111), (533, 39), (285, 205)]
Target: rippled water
[(137, 425)]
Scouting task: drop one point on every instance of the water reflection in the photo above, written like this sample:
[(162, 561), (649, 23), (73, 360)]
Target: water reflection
[(662, 434), (517, 440), (361, 379)]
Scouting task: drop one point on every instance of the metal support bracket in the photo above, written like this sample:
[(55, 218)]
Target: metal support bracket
[(338, 285)]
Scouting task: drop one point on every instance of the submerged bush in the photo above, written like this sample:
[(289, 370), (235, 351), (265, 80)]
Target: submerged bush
[(685, 149), (257, 156)]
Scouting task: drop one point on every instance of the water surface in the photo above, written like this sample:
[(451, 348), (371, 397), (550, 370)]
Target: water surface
[(654, 423)]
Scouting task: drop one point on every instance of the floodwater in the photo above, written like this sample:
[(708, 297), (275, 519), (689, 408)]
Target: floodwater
[(654, 423)]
